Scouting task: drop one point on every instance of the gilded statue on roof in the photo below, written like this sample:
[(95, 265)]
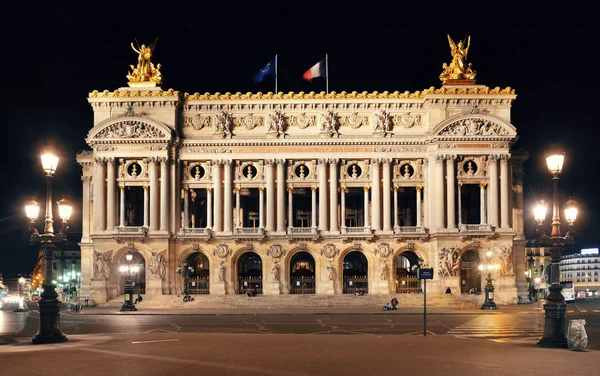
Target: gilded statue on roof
[(458, 69), (145, 74)]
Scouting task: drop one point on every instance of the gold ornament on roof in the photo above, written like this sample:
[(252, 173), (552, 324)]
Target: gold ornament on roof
[(145, 74), (458, 70)]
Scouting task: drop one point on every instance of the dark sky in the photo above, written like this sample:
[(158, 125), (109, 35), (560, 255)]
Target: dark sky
[(52, 57)]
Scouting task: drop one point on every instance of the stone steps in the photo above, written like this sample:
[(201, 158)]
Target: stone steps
[(298, 301)]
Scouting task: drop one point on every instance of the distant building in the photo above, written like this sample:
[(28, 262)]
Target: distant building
[(583, 270)]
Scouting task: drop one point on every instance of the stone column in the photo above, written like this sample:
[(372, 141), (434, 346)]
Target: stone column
[(261, 207), (396, 206), (227, 197), (439, 195), (459, 187), (313, 213), (153, 174), (418, 189), (366, 210), (111, 195), (426, 207), (218, 197), (482, 198), (209, 206), (492, 164), (99, 193), (164, 194), (146, 210), (280, 195), (376, 195), (175, 200), (86, 225), (387, 190), (290, 207), (504, 192), (450, 183), (122, 206), (186, 208), (333, 196), (270, 195), (323, 223), (343, 206), (238, 208)]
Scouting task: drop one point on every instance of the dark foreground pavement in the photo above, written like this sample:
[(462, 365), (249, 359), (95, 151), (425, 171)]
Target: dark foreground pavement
[(180, 354)]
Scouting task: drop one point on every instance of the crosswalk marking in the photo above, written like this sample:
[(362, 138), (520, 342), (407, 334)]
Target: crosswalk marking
[(499, 326)]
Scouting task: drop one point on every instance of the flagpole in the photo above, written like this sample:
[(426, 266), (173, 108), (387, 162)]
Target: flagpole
[(327, 73), (275, 73)]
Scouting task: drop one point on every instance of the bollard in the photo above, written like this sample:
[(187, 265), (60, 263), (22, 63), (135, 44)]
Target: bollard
[(577, 338)]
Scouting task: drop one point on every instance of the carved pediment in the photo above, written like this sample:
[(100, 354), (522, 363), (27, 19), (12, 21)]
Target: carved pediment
[(129, 128), (477, 125)]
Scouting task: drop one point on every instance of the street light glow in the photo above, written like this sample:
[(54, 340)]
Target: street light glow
[(32, 209), (49, 163)]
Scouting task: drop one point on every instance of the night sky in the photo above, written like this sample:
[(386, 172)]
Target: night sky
[(53, 57)]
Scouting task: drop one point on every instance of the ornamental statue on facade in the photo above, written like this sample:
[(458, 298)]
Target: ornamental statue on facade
[(102, 264), (158, 266), (448, 262), (458, 69), (145, 74)]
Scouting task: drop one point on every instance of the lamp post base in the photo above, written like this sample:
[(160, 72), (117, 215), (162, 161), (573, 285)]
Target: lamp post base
[(554, 328), (128, 304), (49, 329), (489, 303)]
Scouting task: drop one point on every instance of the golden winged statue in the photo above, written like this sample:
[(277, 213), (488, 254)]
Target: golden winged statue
[(145, 74), (458, 69)]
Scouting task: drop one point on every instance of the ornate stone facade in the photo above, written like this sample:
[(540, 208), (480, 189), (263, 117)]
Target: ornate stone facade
[(328, 182)]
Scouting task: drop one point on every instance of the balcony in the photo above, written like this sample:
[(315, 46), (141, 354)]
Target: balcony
[(196, 232), (303, 233), (244, 234), (356, 233)]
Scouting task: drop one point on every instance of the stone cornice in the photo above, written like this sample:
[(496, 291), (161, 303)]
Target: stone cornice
[(134, 94), (351, 95)]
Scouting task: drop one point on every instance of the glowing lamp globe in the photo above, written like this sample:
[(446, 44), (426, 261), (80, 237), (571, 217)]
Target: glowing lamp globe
[(49, 163), (32, 209), (555, 158), (570, 211), (64, 209)]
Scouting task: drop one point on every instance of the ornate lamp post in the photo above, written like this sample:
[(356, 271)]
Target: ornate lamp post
[(555, 307), (128, 270), (489, 265), (49, 306), (21, 307)]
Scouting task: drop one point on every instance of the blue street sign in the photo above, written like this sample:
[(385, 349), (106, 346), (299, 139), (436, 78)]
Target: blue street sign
[(426, 273)]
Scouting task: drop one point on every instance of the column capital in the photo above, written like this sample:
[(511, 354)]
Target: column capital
[(419, 188), (450, 158), (86, 179), (439, 158), (493, 158), (314, 189), (261, 189), (99, 160), (387, 161), (227, 162), (209, 189), (121, 187), (459, 185), (366, 189), (396, 188), (280, 162), (376, 160), (110, 160), (146, 188), (504, 158), (290, 189), (343, 189), (482, 185), (322, 161), (333, 161), (269, 162)]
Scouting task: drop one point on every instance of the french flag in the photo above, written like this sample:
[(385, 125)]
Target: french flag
[(317, 70)]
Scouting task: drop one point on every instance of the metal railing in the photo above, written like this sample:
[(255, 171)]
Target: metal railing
[(302, 285), (249, 284), (198, 285), (408, 285), (353, 284)]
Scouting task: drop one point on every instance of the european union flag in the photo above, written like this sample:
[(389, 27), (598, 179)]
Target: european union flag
[(267, 70)]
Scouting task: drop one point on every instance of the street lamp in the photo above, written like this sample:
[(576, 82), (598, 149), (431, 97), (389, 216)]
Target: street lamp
[(489, 265), (128, 270), (49, 306), (555, 307), (21, 307)]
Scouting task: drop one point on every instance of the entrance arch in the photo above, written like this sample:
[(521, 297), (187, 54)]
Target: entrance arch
[(197, 279), (302, 273), (470, 276), (356, 273), (406, 279), (249, 267), (138, 278)]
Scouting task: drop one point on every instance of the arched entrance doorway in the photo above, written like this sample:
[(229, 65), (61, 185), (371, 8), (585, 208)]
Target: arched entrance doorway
[(302, 274), (356, 273), (249, 273), (470, 276), (197, 279), (137, 271), (406, 279)]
